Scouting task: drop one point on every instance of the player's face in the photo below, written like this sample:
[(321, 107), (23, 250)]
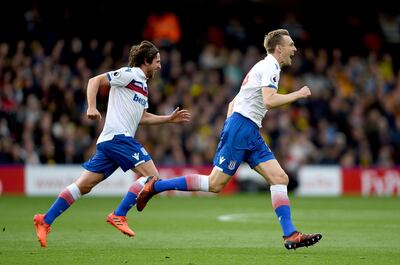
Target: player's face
[(154, 66), (288, 49)]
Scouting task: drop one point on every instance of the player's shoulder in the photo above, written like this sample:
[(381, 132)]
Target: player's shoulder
[(120, 76), (126, 72), (266, 66), (271, 63), (135, 72)]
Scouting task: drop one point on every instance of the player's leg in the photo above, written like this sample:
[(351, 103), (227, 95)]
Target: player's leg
[(228, 156), (154, 185), (99, 167), (227, 159), (278, 180), (191, 182), (127, 153), (214, 182), (72, 193), (65, 199), (143, 170)]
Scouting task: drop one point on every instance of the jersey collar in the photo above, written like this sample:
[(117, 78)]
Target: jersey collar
[(273, 59), (142, 74)]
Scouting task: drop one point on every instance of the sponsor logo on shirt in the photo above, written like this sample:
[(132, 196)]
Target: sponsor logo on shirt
[(136, 156), (139, 100)]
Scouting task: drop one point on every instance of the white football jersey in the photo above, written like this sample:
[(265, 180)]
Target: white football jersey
[(127, 100), (249, 100)]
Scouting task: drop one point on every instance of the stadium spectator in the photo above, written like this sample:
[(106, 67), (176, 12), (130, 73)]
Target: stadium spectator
[(163, 27), (116, 146), (241, 141)]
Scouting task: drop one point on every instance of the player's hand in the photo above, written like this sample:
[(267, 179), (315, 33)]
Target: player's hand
[(304, 92), (180, 116), (93, 114)]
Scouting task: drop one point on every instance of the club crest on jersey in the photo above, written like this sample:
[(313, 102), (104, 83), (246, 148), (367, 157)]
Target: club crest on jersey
[(232, 165)]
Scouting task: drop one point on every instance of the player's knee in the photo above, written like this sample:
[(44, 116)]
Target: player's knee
[(281, 178), (217, 181), (215, 188), (84, 189)]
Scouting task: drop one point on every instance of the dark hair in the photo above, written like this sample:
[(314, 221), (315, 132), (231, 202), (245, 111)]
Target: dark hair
[(141, 53), (274, 38)]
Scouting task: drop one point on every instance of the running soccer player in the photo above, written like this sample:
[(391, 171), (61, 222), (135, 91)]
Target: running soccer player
[(241, 140), (116, 146)]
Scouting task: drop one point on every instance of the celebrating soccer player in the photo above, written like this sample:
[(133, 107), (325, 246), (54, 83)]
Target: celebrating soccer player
[(241, 140), (116, 146)]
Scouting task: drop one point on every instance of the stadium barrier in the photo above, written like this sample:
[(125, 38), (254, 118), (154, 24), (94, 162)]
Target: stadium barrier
[(335, 181), (43, 180), (313, 180)]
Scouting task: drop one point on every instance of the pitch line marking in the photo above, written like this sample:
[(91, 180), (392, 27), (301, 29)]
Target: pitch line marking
[(245, 217)]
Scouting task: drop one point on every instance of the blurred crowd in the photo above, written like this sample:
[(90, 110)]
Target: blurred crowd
[(351, 119)]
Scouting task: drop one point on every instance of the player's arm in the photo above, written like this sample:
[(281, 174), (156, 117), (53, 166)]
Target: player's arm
[(176, 116), (91, 92), (273, 99), (230, 108)]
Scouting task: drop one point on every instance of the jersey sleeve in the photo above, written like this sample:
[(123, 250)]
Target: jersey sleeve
[(120, 77), (270, 76)]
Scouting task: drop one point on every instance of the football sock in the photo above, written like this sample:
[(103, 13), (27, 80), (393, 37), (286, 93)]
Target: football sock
[(280, 202), (192, 182), (130, 198), (66, 198)]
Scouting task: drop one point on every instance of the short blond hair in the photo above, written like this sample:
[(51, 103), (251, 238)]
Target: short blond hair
[(274, 38)]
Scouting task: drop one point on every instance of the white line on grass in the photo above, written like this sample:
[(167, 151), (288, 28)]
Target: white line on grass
[(245, 217)]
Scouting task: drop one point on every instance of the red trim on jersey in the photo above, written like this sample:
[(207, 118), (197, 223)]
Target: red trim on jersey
[(137, 89)]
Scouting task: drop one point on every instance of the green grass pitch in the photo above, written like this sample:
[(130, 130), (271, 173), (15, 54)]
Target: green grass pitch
[(237, 229)]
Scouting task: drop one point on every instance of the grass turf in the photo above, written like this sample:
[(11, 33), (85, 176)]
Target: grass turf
[(189, 231)]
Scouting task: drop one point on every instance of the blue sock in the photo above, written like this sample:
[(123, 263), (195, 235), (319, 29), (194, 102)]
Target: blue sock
[(58, 207), (126, 204), (283, 213), (178, 183)]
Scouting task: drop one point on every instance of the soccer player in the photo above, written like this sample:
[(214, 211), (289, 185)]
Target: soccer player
[(241, 140), (116, 146)]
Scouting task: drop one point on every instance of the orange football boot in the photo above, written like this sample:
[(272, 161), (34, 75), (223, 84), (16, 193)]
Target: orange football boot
[(42, 229), (146, 193), (298, 240), (120, 222)]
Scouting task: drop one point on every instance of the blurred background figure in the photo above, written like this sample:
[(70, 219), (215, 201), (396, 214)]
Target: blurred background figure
[(162, 26)]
